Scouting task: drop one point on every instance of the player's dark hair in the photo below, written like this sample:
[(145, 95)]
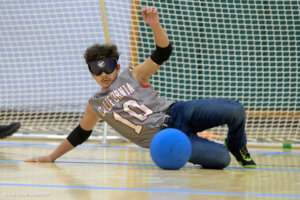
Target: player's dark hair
[(98, 51)]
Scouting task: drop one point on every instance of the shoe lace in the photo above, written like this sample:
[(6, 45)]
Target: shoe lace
[(245, 152)]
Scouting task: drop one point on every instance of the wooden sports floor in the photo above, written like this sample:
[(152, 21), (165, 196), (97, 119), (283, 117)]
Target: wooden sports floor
[(124, 171)]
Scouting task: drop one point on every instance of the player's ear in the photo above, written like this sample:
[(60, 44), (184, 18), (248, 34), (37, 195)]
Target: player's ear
[(119, 67)]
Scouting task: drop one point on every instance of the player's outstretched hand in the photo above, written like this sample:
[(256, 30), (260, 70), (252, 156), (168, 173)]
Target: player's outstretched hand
[(150, 16), (46, 158)]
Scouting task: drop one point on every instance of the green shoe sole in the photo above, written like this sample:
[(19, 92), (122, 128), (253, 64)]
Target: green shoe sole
[(247, 166)]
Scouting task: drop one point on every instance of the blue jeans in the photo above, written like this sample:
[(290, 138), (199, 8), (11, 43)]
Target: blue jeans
[(198, 115)]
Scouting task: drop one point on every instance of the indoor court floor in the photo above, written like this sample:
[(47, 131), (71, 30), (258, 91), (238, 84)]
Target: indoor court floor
[(121, 170)]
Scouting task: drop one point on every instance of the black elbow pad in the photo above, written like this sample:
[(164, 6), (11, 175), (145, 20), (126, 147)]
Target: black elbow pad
[(78, 136), (161, 54)]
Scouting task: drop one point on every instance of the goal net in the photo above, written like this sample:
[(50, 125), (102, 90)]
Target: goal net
[(246, 50)]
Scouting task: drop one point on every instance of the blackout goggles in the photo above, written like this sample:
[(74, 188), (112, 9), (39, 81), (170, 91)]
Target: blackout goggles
[(107, 65)]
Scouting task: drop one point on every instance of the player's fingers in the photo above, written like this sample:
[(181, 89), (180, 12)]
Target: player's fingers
[(30, 160), (145, 12), (153, 12), (151, 9)]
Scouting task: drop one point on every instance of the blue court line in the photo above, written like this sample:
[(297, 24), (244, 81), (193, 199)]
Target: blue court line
[(132, 147), (269, 153), (154, 190), (83, 145), (143, 164)]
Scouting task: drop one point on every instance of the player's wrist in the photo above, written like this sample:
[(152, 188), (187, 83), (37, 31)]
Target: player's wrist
[(52, 157), (155, 26)]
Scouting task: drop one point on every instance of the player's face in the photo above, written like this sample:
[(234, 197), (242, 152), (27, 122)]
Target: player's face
[(105, 80)]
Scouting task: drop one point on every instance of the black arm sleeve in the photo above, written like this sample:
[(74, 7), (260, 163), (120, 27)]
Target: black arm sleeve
[(78, 136), (160, 55)]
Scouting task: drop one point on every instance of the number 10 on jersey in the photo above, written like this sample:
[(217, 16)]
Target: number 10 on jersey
[(127, 107)]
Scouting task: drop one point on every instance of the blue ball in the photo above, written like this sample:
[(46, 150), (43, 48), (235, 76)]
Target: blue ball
[(170, 149)]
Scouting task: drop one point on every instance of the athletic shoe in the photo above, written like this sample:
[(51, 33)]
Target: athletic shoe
[(8, 130), (243, 157)]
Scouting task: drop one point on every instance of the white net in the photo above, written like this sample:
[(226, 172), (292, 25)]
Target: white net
[(44, 81), (247, 50)]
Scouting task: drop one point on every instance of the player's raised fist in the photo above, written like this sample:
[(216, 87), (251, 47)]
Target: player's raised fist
[(150, 16)]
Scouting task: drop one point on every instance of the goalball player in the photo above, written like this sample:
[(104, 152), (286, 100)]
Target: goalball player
[(130, 106)]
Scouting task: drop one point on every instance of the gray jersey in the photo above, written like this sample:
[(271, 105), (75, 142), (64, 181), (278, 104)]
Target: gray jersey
[(133, 111)]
